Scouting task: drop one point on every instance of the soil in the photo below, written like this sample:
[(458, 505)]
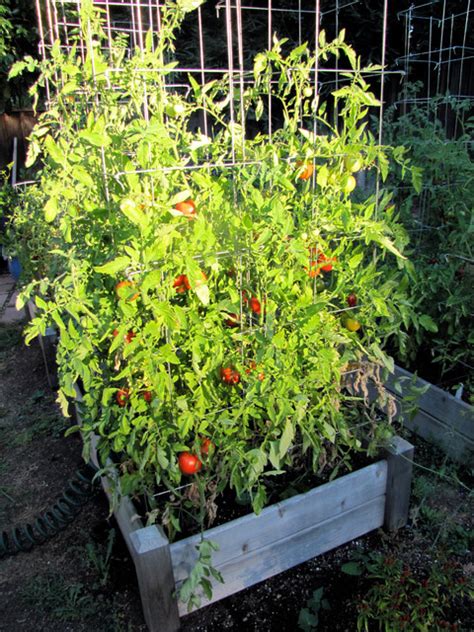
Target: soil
[(83, 579)]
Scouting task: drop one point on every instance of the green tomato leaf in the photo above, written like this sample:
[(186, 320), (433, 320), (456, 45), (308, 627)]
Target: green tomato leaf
[(97, 139), (51, 210), (322, 176), (54, 151), (287, 437), (428, 323), (189, 5), (114, 266), (352, 568), (131, 210), (202, 292)]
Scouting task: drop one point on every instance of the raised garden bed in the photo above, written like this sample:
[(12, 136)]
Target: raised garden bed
[(253, 548), (434, 415)]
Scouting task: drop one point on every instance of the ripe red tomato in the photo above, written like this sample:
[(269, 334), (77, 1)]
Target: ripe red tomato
[(124, 290), (230, 375), (147, 396), (128, 337), (189, 463), (319, 261), (327, 267), (181, 284), (252, 366), (122, 396), (188, 208), (207, 446), (255, 305), (253, 302), (351, 300)]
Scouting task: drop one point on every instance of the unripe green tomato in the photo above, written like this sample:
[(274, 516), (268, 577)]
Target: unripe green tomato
[(352, 164), (349, 184), (307, 92), (174, 109)]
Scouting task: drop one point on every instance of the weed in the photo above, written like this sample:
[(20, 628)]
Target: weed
[(199, 578), (45, 425), (9, 337), (308, 619), (62, 601), (401, 599), (99, 557)]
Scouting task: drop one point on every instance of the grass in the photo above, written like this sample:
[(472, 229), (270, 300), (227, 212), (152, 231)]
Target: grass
[(10, 336), (61, 600), (45, 425)]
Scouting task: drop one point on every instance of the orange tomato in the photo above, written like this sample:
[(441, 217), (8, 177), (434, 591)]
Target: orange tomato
[(307, 172), (188, 208), (181, 284), (124, 290), (207, 446)]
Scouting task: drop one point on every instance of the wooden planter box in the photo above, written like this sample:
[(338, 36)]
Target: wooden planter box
[(440, 419), (254, 548)]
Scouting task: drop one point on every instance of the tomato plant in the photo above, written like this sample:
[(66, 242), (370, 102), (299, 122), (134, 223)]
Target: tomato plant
[(234, 337)]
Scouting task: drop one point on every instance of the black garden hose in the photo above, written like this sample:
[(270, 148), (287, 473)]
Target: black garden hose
[(78, 491)]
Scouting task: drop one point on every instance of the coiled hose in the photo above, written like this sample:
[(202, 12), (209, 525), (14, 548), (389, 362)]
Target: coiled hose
[(78, 491)]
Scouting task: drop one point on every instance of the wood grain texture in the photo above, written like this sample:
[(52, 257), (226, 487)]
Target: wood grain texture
[(150, 550), (267, 561), (441, 419), (400, 465), (437, 403), (280, 521)]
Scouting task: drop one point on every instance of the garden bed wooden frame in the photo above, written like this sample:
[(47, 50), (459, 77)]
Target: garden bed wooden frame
[(254, 548), (440, 418)]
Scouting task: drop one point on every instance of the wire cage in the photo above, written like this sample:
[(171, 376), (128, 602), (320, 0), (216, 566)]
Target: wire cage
[(438, 64), (223, 37), (439, 51)]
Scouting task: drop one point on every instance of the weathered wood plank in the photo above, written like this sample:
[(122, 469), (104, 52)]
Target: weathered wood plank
[(267, 561), (455, 445), (279, 521), (151, 553), (447, 436), (437, 403), (400, 465)]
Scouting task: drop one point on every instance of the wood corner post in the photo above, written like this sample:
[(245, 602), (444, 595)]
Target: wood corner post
[(152, 558), (399, 455)]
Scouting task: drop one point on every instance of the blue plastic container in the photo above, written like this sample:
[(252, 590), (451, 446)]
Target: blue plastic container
[(14, 267)]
